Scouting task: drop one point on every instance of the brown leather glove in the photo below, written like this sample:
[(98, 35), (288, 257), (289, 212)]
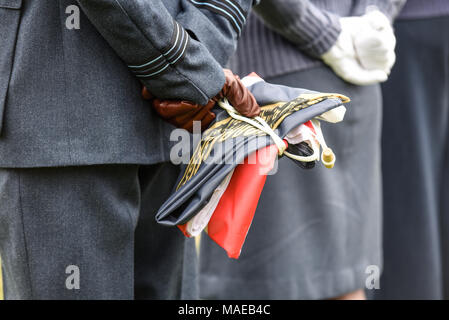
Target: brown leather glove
[(146, 94), (238, 95), (183, 113)]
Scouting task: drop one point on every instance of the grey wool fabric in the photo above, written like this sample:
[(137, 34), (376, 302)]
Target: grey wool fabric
[(72, 96), (99, 219), (80, 150)]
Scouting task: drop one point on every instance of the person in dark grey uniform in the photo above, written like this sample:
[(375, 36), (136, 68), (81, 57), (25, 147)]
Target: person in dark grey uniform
[(81, 153), (314, 232), (415, 161)]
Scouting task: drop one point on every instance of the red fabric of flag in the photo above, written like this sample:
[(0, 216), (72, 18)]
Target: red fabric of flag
[(232, 218)]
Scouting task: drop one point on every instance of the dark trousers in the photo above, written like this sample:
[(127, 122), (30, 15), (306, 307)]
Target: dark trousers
[(416, 164), (90, 233)]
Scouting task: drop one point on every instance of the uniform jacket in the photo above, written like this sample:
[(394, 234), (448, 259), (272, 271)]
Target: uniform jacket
[(72, 96)]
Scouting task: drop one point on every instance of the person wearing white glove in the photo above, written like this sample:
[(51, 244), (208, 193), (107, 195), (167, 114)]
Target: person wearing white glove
[(314, 232), (364, 51)]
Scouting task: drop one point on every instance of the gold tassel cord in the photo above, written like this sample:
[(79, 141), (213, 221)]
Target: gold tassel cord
[(230, 128)]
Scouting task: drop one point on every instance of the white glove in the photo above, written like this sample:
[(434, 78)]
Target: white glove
[(364, 51), (375, 44)]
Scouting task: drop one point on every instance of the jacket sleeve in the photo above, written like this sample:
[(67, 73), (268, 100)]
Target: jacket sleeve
[(216, 23), (157, 49), (313, 30)]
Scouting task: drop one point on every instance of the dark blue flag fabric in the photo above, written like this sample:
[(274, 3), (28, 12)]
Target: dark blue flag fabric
[(289, 117)]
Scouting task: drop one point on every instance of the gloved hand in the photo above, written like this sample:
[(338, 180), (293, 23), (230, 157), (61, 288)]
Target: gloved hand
[(375, 44), (183, 113), (364, 51), (238, 95)]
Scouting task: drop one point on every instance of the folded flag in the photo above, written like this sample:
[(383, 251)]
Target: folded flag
[(219, 188)]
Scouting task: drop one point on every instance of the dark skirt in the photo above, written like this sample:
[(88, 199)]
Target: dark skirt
[(314, 232)]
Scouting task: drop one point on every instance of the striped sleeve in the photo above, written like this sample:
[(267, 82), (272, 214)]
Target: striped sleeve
[(156, 48), (313, 30), (230, 9), (168, 56), (218, 24)]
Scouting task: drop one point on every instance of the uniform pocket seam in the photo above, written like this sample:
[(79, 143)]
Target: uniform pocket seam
[(13, 46), (11, 4)]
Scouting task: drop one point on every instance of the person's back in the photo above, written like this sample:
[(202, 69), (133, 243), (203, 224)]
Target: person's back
[(67, 98), (81, 151)]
